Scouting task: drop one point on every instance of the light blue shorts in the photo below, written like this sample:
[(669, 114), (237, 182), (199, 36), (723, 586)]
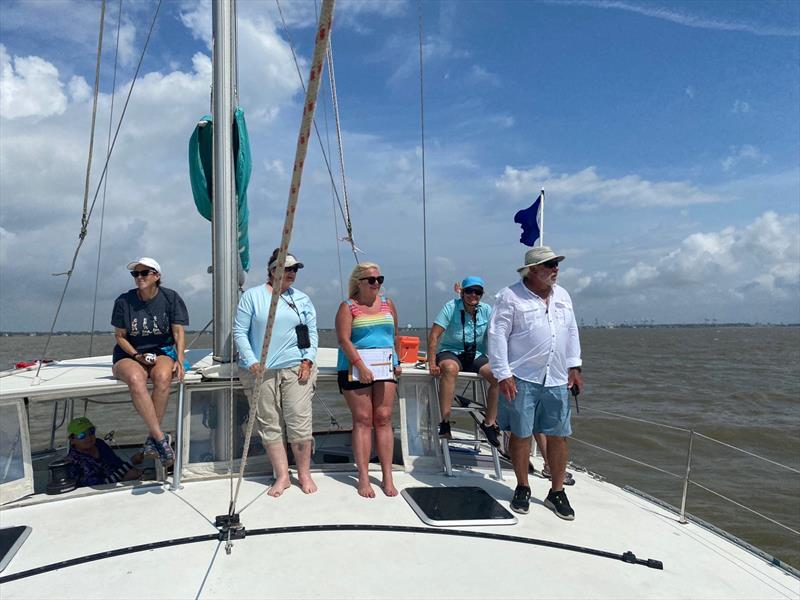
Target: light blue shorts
[(536, 409)]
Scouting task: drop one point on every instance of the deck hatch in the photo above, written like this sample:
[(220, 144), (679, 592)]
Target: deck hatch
[(456, 506), (11, 539)]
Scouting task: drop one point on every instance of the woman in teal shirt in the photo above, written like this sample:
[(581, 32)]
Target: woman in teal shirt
[(457, 342)]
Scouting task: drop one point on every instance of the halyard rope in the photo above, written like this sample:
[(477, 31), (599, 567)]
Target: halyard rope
[(344, 212), (309, 105), (422, 141), (85, 221), (105, 181)]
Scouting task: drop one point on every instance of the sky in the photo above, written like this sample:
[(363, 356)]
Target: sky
[(666, 136)]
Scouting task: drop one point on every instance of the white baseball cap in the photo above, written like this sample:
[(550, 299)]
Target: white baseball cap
[(147, 262)]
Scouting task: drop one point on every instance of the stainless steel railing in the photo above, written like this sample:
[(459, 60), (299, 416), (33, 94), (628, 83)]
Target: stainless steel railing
[(686, 477)]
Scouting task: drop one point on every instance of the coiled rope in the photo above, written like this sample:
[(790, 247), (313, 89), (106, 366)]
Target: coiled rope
[(309, 106)]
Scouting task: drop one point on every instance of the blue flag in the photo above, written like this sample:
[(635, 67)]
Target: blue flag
[(529, 219)]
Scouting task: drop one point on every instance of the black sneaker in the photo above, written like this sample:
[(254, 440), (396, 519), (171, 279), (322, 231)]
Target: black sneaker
[(444, 430), (521, 501), (559, 504), (492, 433), (165, 451)]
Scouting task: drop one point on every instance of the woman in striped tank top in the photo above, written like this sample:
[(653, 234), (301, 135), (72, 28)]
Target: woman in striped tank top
[(368, 320)]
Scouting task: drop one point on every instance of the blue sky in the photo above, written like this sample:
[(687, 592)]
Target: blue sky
[(666, 136)]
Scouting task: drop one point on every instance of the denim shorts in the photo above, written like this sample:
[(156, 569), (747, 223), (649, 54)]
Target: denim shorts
[(535, 409)]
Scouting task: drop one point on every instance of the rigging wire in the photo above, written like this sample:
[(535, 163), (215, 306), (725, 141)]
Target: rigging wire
[(333, 195), (85, 221), (105, 181), (422, 137), (349, 238), (335, 101)]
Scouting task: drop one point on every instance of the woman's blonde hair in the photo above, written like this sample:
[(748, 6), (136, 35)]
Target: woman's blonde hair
[(356, 275)]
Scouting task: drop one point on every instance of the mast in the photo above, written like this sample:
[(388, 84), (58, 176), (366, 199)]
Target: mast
[(224, 234)]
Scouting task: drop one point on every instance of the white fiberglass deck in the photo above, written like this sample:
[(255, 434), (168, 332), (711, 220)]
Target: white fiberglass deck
[(360, 564)]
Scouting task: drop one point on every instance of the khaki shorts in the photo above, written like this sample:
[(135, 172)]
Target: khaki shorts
[(283, 401)]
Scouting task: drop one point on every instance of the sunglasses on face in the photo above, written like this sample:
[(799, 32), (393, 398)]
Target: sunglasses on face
[(550, 264), (474, 291), (293, 269), (83, 434), (373, 280), (142, 273)]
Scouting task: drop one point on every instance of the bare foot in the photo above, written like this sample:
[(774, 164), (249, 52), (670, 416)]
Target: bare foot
[(365, 489), (280, 485), (307, 484), (388, 488)]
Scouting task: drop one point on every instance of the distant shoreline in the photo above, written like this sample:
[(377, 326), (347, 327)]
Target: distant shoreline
[(599, 326)]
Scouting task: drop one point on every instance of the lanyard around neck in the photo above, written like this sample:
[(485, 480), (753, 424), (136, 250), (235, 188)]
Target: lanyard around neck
[(474, 330)]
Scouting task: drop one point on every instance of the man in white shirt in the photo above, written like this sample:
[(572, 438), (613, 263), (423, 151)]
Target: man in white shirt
[(535, 354)]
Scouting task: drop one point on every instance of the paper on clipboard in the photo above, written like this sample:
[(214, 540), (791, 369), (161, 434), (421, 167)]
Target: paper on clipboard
[(378, 360)]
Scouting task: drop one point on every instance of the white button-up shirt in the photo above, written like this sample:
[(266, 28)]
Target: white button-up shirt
[(531, 340)]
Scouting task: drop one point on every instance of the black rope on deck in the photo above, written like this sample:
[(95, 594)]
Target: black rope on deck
[(627, 557)]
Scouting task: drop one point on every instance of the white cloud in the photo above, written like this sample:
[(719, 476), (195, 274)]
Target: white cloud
[(688, 19), (747, 153), (591, 190), (29, 87), (480, 75), (79, 90), (740, 106), (763, 255)]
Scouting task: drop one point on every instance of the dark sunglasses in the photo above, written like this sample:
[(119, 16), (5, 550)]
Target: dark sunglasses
[(474, 291), (550, 264), (373, 280), (142, 273), (83, 434), (293, 268)]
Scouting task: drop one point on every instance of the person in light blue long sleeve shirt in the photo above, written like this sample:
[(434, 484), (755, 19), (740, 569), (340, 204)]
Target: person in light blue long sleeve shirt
[(288, 380)]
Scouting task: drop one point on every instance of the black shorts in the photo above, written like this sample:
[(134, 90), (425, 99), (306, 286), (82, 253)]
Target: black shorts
[(464, 364), (345, 384)]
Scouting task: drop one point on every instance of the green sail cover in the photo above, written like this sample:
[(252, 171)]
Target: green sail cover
[(201, 174)]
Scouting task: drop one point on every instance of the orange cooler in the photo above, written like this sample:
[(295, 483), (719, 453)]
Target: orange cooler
[(409, 346)]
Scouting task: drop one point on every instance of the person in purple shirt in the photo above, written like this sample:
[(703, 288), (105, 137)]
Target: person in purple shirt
[(92, 461)]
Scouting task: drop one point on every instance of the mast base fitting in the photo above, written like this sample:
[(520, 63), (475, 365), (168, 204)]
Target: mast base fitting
[(229, 528), (226, 520)]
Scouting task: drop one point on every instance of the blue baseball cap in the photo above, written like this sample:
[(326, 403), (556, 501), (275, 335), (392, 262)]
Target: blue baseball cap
[(471, 281)]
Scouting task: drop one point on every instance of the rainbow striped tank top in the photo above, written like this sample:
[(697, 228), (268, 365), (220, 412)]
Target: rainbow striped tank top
[(369, 331)]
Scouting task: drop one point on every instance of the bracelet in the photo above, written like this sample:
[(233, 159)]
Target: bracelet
[(578, 369)]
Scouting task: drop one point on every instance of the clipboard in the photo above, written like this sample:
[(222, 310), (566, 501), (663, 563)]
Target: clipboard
[(378, 360)]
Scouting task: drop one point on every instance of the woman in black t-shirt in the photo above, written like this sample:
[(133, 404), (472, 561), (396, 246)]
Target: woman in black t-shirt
[(148, 326)]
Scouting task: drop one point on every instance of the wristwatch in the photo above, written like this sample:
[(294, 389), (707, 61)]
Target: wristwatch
[(578, 369)]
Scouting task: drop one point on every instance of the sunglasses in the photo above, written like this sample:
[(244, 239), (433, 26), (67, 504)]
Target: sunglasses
[(83, 434), (142, 273), (293, 268), (550, 264), (474, 291), (373, 280)]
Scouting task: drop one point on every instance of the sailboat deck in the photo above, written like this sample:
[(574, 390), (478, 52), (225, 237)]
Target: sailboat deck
[(360, 564)]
